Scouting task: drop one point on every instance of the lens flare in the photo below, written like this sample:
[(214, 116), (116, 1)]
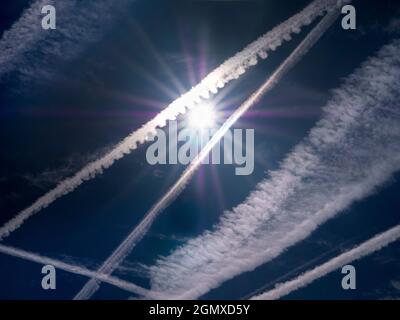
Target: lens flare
[(202, 117)]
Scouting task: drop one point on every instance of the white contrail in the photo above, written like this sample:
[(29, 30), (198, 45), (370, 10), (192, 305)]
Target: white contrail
[(140, 230), (364, 249), (351, 151), (33, 54), (230, 69), (295, 270), (122, 284), (22, 35)]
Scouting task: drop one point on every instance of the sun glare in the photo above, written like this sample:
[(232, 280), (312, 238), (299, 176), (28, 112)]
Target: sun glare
[(202, 117)]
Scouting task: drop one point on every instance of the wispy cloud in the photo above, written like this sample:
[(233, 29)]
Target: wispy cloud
[(364, 249), (353, 149), (395, 284), (32, 54), (52, 176)]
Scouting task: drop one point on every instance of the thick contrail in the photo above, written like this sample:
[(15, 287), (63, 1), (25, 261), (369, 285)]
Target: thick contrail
[(351, 151), (230, 69), (139, 231), (77, 270), (364, 249)]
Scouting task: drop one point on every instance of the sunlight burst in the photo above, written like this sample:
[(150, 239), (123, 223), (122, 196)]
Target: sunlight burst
[(202, 117)]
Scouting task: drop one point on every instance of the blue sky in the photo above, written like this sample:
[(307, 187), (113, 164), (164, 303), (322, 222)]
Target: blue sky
[(77, 103)]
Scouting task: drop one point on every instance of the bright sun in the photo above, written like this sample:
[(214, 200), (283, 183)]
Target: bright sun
[(202, 117)]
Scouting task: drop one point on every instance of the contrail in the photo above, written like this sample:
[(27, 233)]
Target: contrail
[(364, 249), (139, 231), (230, 69), (294, 271), (33, 54), (77, 270), (22, 35), (352, 150)]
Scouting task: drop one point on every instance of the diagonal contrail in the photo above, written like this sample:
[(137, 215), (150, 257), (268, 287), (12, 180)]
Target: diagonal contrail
[(31, 53), (370, 246), (139, 231), (122, 284), (229, 70), (295, 270), (352, 150)]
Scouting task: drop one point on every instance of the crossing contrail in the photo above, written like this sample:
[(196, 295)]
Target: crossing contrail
[(140, 230), (124, 285), (376, 243), (352, 150), (230, 69)]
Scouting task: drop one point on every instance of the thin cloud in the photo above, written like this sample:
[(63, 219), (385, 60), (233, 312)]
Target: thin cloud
[(33, 54)]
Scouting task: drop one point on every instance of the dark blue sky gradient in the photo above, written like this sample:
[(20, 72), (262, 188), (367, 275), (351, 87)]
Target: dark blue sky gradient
[(114, 86)]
